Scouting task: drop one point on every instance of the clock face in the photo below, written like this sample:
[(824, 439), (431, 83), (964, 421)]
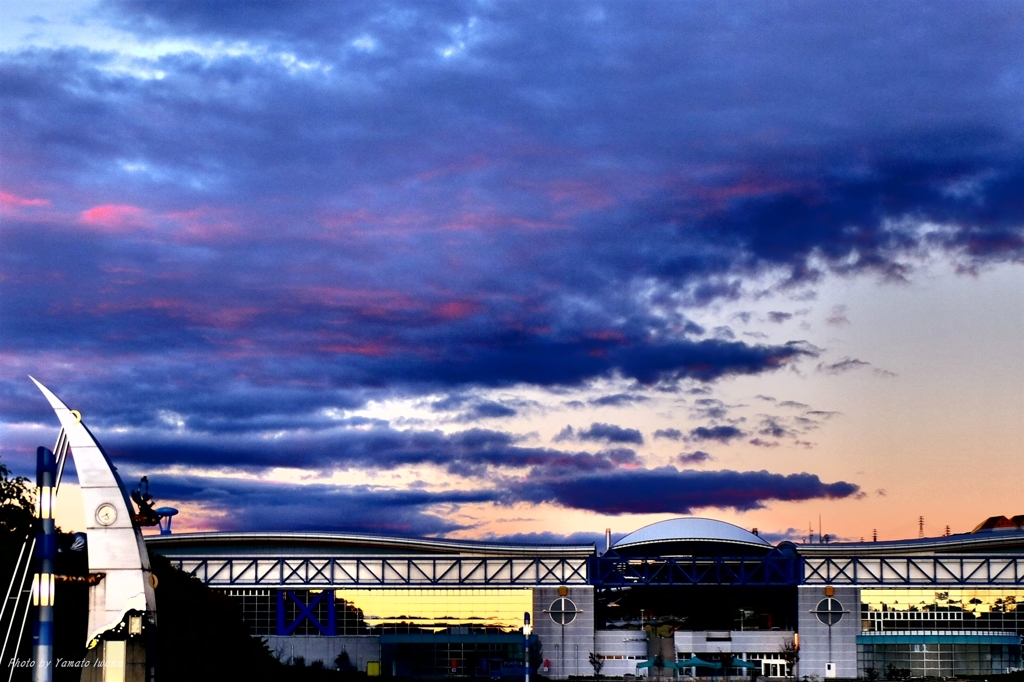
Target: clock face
[(106, 514)]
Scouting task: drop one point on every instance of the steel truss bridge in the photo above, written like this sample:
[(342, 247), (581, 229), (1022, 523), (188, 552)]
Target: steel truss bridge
[(607, 571), (615, 571), (781, 570), (388, 572), (933, 570)]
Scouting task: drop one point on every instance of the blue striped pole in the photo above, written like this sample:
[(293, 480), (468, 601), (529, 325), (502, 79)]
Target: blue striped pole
[(46, 553)]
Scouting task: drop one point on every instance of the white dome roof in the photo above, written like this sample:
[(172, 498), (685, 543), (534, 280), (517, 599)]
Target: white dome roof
[(691, 530)]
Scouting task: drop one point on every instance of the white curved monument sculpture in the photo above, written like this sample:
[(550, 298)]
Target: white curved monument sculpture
[(116, 547)]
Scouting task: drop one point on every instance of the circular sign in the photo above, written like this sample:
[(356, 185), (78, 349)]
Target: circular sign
[(829, 611), (106, 514), (563, 611)]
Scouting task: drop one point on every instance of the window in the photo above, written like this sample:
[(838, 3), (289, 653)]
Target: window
[(259, 609), (413, 611), (563, 611), (829, 611)]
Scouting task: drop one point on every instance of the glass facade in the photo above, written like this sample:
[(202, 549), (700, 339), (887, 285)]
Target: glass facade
[(375, 612), (480, 656), (772, 664), (259, 609), (703, 607), (938, 659), (940, 632), (299, 605), (431, 610), (991, 609)]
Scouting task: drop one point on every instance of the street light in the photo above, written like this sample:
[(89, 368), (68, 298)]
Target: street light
[(46, 554), (527, 629)]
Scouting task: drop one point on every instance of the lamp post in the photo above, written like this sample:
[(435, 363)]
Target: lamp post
[(46, 552), (527, 629)]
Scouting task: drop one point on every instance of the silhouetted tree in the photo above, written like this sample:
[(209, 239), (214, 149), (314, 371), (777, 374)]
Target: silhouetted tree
[(790, 654), (343, 663), (898, 674), (201, 633), (17, 519), (596, 663)]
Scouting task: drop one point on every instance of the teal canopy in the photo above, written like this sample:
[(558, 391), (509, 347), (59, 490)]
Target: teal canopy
[(666, 664), (740, 663), (697, 663)]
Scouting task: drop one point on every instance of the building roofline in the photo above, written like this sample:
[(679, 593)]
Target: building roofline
[(950, 544), (385, 543), (698, 529)]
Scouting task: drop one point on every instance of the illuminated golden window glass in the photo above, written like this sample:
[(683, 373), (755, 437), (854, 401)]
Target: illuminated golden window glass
[(943, 609), (431, 610)]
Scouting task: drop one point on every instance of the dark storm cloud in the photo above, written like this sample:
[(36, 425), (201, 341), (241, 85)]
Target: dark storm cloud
[(693, 458), (670, 434), (452, 402), (721, 433), (667, 490), (709, 408), (473, 452), (773, 428), (487, 409), (550, 538), (249, 505), (610, 433), (472, 409), (254, 505), (844, 365), (618, 400), (326, 204), (602, 433)]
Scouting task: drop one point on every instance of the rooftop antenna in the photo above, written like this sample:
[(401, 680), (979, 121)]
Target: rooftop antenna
[(920, 526)]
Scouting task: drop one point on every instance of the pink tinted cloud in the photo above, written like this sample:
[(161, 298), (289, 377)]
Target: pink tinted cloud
[(718, 198), (199, 224), (613, 335), (13, 201), (577, 196), (362, 222), (374, 349), (375, 303), (202, 224), (115, 218), (470, 163), (456, 310), (193, 313), (485, 218)]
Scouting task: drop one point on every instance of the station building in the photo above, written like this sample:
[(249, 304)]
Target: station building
[(684, 597)]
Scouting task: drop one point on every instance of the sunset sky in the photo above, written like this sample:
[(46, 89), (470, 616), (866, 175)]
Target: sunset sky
[(521, 271)]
